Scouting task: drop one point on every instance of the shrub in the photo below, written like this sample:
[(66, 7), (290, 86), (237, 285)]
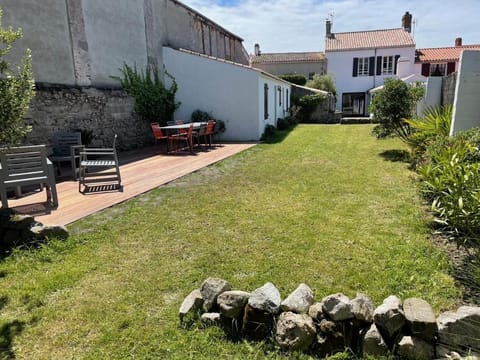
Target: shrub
[(283, 124), (200, 116), (452, 183), (17, 88), (153, 101), (298, 79), (305, 106), (268, 133), (323, 82), (392, 105)]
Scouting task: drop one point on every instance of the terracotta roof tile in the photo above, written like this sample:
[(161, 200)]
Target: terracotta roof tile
[(444, 54), (271, 58), (388, 38)]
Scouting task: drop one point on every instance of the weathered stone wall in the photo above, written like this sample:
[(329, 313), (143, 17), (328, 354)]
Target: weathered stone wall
[(104, 111), (448, 89)]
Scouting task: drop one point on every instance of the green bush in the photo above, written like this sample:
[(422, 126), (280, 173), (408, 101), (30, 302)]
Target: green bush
[(323, 82), (200, 116), (391, 105), (153, 101), (283, 124), (17, 88), (452, 183), (298, 79), (268, 133), (305, 106)]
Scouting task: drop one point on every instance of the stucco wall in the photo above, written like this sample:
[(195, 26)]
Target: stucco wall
[(85, 42), (465, 106), (229, 92), (300, 68), (340, 64)]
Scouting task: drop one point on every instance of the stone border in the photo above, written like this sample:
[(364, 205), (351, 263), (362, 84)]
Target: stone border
[(408, 329)]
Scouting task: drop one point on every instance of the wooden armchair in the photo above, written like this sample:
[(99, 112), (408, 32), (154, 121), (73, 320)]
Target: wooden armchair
[(99, 167), (26, 165), (66, 148)]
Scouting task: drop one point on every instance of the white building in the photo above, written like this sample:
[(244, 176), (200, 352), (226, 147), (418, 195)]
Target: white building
[(362, 60)]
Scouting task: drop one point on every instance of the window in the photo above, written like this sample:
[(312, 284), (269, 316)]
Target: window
[(279, 96), (438, 69), (387, 65), (311, 75), (265, 101), (363, 66)]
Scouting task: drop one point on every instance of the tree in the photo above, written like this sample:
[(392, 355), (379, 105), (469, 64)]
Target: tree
[(323, 82), (391, 105), (17, 88)]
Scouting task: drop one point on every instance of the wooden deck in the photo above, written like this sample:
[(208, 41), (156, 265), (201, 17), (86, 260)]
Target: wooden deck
[(141, 171)]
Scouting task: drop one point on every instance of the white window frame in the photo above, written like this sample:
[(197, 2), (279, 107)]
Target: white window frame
[(388, 64), (442, 67), (363, 66)]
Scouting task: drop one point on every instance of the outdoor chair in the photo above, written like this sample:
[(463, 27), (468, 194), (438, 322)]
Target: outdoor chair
[(187, 137), (99, 169), (208, 135), (158, 134), (66, 148), (26, 165)]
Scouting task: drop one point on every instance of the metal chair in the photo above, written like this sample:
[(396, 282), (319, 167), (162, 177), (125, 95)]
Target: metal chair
[(99, 168)]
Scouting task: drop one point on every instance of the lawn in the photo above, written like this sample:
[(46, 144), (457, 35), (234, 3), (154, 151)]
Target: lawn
[(326, 205)]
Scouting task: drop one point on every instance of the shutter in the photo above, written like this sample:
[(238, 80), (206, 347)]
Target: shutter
[(450, 68), (395, 64), (355, 67), (371, 66), (379, 65), (426, 69)]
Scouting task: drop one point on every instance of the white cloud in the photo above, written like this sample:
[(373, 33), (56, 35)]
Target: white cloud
[(283, 25)]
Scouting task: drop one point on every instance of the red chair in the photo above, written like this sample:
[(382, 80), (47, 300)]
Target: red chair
[(187, 137), (158, 133), (181, 122), (208, 134)]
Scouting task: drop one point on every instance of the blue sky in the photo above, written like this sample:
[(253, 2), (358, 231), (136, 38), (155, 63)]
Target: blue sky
[(299, 25)]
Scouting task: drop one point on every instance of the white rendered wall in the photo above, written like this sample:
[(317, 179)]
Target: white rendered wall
[(467, 90), (340, 65), (276, 110)]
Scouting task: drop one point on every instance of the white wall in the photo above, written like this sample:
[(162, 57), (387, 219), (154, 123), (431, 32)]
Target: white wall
[(276, 110), (467, 90), (340, 64), (230, 92)]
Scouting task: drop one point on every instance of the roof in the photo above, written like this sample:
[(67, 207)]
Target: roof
[(442, 54), (289, 58), (372, 39), (410, 79)]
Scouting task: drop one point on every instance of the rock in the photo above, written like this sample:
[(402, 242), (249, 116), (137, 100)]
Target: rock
[(232, 303), (315, 312), (389, 316), (295, 332), (460, 330), (420, 318), (330, 338), (363, 308), (414, 348), (298, 301), (266, 298), (373, 343), (257, 324), (50, 232), (211, 288), (210, 318), (192, 304), (337, 307)]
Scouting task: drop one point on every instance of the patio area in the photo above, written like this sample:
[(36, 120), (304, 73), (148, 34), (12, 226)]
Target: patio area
[(141, 170)]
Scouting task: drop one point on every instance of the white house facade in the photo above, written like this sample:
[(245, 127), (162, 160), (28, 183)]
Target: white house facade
[(360, 61)]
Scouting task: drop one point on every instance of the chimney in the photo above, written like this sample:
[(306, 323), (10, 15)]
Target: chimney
[(407, 22), (257, 50), (458, 41), (329, 28)]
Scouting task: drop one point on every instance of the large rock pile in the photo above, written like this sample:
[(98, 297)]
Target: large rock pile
[(298, 323), (16, 230)]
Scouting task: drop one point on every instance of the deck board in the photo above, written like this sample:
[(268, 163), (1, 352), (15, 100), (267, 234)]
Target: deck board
[(141, 170)]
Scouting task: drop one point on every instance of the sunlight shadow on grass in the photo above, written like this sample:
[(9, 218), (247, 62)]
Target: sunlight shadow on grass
[(396, 155)]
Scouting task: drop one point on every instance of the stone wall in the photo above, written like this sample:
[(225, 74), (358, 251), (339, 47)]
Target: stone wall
[(408, 329), (325, 112), (448, 89), (104, 111)]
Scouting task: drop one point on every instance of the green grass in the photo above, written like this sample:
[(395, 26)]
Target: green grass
[(321, 207)]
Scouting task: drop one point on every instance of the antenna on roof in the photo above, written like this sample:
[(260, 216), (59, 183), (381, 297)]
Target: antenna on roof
[(331, 15), (414, 25)]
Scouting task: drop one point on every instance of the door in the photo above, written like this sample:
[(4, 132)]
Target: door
[(353, 104)]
